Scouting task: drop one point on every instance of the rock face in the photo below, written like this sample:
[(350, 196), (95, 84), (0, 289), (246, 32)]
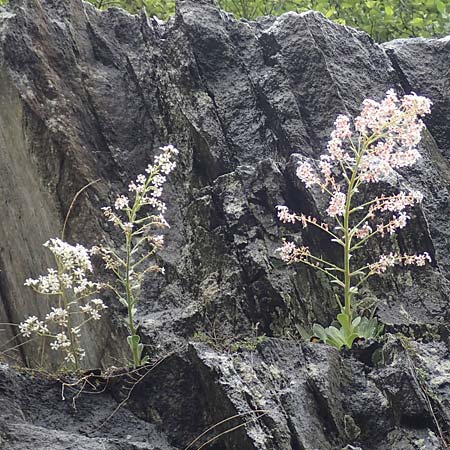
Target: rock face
[(89, 95)]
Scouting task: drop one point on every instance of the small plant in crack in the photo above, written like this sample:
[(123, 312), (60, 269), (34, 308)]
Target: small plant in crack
[(76, 303), (362, 152), (137, 216), (71, 282)]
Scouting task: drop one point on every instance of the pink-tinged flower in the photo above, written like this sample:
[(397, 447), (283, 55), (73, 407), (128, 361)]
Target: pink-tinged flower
[(287, 251), (335, 150), (284, 215), (337, 204), (396, 118), (306, 174), (325, 167), (392, 259), (410, 133), (404, 159), (398, 202), (416, 104), (363, 231), (416, 260), (313, 220), (382, 149), (304, 220), (374, 168), (342, 128), (290, 253), (397, 223), (384, 262)]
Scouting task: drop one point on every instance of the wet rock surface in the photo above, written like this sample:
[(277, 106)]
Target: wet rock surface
[(91, 95), (37, 413)]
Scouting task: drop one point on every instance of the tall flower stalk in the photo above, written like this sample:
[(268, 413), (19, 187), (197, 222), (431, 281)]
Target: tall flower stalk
[(382, 138), (130, 263)]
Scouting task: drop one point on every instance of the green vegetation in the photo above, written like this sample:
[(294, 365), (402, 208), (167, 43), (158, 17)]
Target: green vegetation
[(160, 8), (382, 19)]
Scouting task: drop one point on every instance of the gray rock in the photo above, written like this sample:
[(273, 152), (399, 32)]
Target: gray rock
[(89, 94), (37, 414)]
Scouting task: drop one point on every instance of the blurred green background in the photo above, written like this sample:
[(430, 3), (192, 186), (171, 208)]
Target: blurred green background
[(382, 19)]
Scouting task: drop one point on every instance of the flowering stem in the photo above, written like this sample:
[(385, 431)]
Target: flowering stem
[(347, 243), (348, 232), (321, 269), (322, 227), (63, 296), (385, 138), (130, 298)]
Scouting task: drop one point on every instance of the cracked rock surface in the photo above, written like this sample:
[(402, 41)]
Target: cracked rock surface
[(89, 95)]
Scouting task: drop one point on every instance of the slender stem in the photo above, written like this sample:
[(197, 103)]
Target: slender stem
[(348, 234), (319, 225), (130, 298), (331, 266), (369, 274), (66, 303), (128, 292), (337, 280), (347, 273), (143, 259)]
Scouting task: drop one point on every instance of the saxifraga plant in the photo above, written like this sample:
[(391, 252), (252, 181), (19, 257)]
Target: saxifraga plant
[(132, 261), (71, 286), (71, 283), (382, 138)]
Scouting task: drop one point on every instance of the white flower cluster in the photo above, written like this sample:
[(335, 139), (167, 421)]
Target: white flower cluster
[(74, 266), (45, 284), (121, 202), (147, 190), (290, 253), (93, 308), (392, 129), (393, 259), (33, 325), (58, 315), (383, 138), (70, 283)]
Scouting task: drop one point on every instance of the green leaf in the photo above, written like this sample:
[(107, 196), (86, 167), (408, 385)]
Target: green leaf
[(441, 6), (344, 320), (319, 332), (330, 13), (334, 337), (389, 10), (133, 341), (417, 21)]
